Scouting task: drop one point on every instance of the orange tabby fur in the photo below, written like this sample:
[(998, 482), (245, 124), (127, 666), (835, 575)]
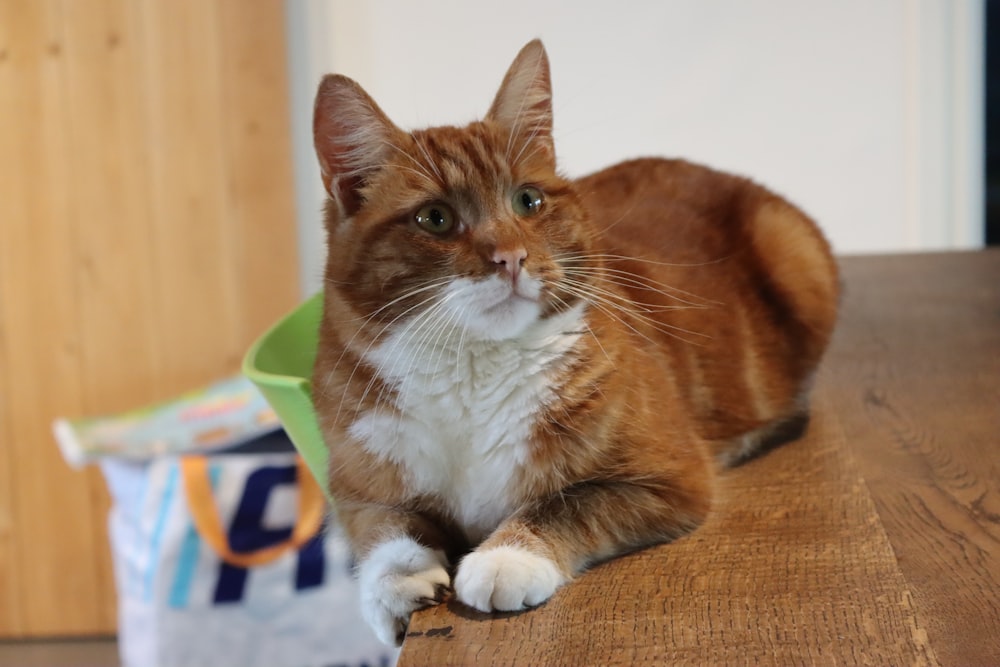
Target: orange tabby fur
[(710, 301)]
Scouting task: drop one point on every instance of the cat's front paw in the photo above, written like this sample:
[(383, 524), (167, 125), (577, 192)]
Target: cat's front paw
[(397, 578), (506, 578)]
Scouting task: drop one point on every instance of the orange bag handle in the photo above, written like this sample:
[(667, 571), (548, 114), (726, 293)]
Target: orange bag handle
[(204, 513)]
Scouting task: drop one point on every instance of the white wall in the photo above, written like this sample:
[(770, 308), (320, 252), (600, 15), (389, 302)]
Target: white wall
[(867, 113)]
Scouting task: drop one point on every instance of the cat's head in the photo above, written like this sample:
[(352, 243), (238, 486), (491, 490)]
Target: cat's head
[(467, 227)]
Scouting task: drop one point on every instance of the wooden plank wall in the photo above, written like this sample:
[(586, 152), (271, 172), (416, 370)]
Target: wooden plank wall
[(146, 238)]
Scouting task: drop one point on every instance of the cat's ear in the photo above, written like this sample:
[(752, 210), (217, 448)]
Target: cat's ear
[(524, 102), (352, 138)]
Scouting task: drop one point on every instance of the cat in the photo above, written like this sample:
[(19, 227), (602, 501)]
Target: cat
[(520, 375)]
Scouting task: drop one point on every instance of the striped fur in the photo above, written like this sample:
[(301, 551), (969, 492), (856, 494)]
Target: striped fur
[(550, 376)]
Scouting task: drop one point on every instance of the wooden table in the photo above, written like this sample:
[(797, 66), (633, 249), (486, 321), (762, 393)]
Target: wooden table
[(875, 539)]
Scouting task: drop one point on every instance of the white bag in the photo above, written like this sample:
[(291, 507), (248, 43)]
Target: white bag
[(182, 605)]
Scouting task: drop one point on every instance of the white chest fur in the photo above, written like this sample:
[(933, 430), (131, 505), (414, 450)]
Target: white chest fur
[(464, 411)]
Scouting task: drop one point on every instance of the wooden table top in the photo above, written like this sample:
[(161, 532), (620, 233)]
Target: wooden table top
[(874, 539)]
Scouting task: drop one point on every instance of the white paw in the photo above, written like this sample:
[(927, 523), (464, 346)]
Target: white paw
[(398, 577), (506, 579)]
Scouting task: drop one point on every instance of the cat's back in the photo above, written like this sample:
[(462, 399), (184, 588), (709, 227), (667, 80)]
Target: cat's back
[(742, 282), (670, 209), (692, 226)]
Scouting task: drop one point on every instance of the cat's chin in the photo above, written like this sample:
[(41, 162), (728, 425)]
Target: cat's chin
[(491, 310), (508, 319)]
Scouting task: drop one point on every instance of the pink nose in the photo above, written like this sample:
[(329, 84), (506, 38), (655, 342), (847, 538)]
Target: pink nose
[(511, 260)]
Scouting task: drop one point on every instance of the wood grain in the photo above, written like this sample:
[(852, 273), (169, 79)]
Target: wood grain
[(190, 227), (146, 238), (253, 74), (872, 540), (10, 612), (773, 578), (103, 119), (39, 243), (918, 391)]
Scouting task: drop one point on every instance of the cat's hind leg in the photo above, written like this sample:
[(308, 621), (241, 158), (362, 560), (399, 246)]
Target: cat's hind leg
[(785, 428)]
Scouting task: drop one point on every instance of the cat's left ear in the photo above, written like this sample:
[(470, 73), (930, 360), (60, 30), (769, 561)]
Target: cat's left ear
[(524, 102)]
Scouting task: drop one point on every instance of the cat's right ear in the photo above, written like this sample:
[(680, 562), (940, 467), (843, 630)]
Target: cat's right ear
[(524, 102), (352, 138)]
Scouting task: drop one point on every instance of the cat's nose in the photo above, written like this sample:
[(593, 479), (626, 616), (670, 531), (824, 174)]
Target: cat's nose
[(511, 260)]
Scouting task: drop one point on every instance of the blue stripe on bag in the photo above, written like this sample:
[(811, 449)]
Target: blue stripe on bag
[(170, 488), (247, 531), (187, 558)]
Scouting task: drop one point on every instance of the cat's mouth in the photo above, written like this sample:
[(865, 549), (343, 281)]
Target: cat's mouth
[(512, 300), (519, 292), (514, 311), (494, 309)]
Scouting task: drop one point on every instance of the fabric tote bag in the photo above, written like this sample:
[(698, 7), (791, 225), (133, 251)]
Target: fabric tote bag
[(230, 559)]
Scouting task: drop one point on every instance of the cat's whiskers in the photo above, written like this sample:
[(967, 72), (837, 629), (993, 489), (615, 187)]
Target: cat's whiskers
[(627, 279), (433, 184), (365, 320), (361, 359), (423, 338), (427, 336), (562, 302), (437, 282), (613, 309), (514, 131), (379, 373), (422, 169), (626, 258), (630, 277), (445, 327), (414, 330), (430, 161), (510, 140), (449, 327), (461, 344), (640, 306), (528, 141), (422, 174), (625, 305)]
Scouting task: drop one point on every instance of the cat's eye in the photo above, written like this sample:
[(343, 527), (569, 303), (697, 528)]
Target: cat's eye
[(436, 218), (527, 201)]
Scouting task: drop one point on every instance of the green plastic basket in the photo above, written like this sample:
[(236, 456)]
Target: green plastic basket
[(280, 364)]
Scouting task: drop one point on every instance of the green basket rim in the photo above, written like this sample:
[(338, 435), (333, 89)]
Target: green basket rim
[(256, 375)]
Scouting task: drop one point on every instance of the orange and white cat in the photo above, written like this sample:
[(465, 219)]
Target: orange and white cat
[(520, 375)]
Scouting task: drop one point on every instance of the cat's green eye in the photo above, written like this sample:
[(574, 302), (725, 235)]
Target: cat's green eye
[(527, 201), (436, 218)]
